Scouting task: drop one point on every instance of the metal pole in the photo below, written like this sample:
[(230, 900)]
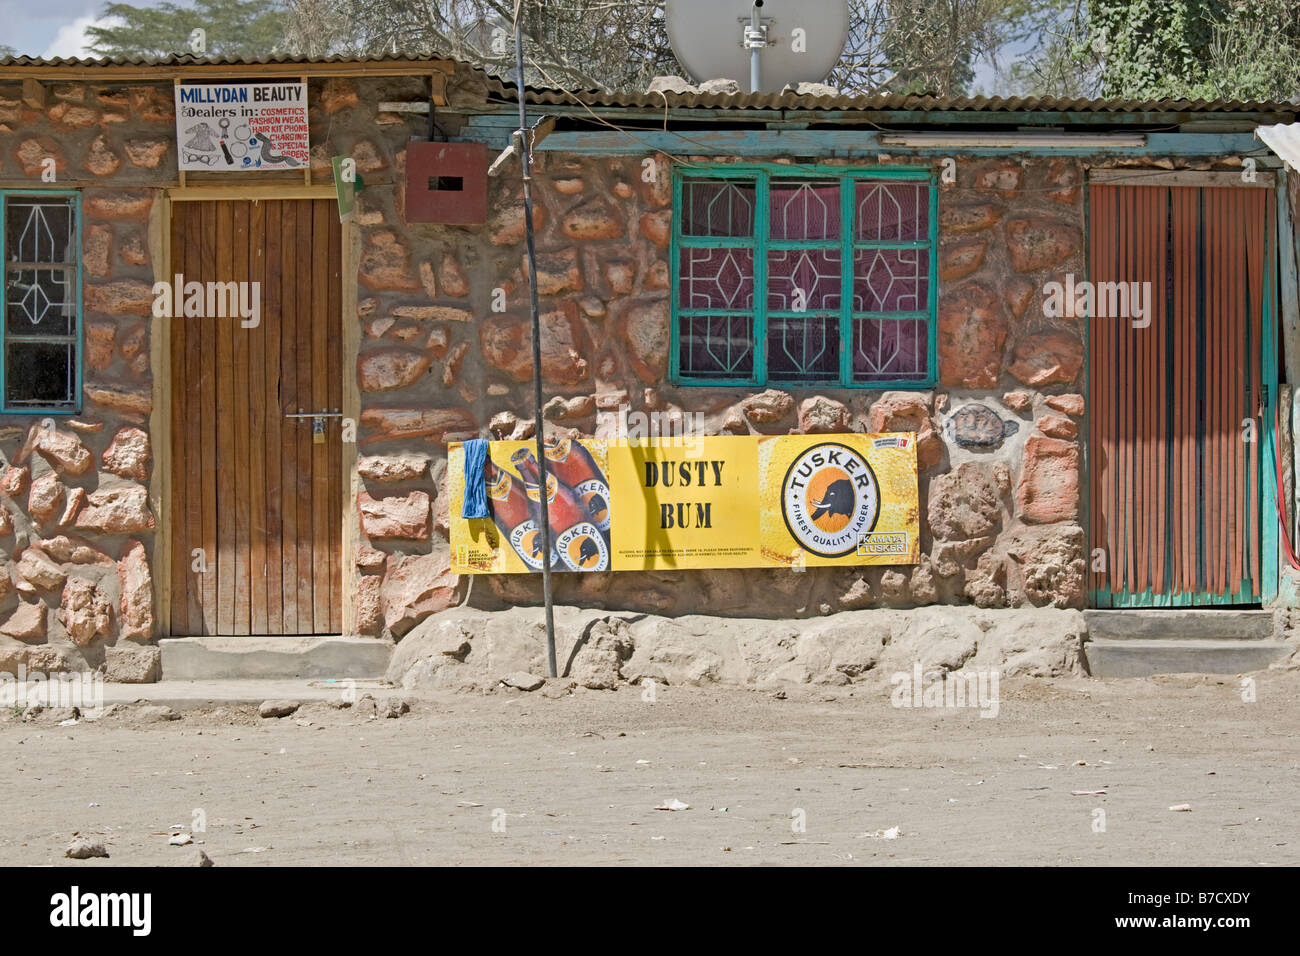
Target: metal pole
[(543, 478), (755, 70)]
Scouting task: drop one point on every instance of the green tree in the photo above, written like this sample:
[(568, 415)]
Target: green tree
[(233, 28), (1196, 49)]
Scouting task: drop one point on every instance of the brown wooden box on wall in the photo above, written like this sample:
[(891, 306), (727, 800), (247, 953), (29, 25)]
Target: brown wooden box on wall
[(446, 183)]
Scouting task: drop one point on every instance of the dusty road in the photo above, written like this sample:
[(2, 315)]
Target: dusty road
[(576, 780)]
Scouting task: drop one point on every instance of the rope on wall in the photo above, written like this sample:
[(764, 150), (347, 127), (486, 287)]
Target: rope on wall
[(1281, 492)]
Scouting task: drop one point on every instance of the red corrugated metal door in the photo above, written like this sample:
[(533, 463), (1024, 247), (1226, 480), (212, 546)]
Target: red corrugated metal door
[(1175, 484)]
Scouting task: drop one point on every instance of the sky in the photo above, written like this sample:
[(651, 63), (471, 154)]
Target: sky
[(49, 27)]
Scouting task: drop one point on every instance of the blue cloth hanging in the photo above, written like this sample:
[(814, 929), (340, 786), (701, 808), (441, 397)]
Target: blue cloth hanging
[(475, 484)]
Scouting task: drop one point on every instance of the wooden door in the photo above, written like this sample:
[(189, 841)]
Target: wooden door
[(256, 500), (1181, 407)]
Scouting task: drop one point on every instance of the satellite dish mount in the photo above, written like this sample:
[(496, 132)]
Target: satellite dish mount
[(754, 39)]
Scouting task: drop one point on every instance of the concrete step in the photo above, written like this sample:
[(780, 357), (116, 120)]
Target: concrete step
[(1131, 657), (1180, 624), (273, 658)]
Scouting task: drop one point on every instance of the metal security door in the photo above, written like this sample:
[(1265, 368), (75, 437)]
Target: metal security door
[(1181, 399)]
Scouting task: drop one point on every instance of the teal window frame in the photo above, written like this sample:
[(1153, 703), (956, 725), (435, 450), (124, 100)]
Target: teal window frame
[(78, 336), (761, 174)]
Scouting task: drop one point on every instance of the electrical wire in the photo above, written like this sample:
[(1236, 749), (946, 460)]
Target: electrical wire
[(630, 131)]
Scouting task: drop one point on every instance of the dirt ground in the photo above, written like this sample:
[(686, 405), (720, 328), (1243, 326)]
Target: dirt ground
[(511, 777)]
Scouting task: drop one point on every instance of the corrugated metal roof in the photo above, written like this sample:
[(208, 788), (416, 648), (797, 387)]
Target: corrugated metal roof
[(187, 59), (1283, 139), (892, 102), (544, 96)]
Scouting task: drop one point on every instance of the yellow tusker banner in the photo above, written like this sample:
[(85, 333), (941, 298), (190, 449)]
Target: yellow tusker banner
[(720, 502)]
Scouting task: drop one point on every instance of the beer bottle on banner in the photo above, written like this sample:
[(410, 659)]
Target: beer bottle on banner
[(512, 513), (579, 543), (574, 466)]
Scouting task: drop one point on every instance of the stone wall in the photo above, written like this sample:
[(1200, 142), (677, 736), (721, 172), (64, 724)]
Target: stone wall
[(79, 505), (77, 528), (998, 437)]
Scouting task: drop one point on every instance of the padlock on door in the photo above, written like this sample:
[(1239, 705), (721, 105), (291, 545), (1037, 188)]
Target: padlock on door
[(317, 422)]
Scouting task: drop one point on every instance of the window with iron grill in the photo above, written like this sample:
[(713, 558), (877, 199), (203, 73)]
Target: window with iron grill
[(804, 277), (40, 300)]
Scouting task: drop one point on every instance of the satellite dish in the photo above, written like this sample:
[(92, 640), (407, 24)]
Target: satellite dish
[(774, 42)]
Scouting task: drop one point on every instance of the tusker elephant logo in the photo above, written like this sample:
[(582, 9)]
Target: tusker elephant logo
[(597, 507), (527, 542), (588, 553), (834, 504), (829, 499), (532, 543), (583, 549)]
